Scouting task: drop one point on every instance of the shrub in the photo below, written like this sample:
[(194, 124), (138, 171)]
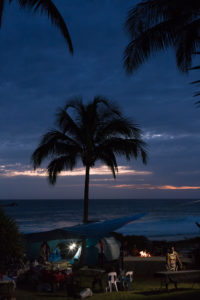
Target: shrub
[(11, 243)]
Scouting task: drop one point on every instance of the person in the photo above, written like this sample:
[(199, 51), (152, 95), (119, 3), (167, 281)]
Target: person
[(55, 255), (122, 279), (121, 256), (45, 251), (101, 254), (173, 260), (135, 251)]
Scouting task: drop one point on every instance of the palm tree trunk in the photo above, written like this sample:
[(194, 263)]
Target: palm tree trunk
[(85, 214), (86, 194)]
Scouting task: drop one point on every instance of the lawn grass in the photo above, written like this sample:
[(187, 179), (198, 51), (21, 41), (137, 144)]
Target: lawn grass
[(141, 289)]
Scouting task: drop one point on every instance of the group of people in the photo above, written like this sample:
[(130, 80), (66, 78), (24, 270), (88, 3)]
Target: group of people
[(173, 262)]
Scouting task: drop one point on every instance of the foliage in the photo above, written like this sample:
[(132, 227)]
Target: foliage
[(89, 133), (156, 25), (11, 244), (196, 82), (45, 7)]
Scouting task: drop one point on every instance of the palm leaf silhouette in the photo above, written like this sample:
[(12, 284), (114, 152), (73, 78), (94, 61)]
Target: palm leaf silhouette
[(89, 133), (45, 7), (156, 25)]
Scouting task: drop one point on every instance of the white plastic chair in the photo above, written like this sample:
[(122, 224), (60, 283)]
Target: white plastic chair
[(129, 279), (129, 275), (112, 281)]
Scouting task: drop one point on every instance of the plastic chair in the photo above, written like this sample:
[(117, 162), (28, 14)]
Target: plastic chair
[(129, 276), (112, 281), (129, 279), (122, 280)]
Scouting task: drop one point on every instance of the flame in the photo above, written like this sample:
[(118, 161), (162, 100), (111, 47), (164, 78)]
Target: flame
[(145, 254)]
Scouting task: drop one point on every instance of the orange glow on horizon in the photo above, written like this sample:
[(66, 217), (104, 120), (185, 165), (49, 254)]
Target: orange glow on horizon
[(171, 187), (155, 187), (102, 170)]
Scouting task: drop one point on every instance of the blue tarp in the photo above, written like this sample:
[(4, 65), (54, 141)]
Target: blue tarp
[(92, 232), (102, 229)]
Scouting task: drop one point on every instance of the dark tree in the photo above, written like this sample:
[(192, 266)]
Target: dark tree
[(46, 7), (89, 133), (11, 243)]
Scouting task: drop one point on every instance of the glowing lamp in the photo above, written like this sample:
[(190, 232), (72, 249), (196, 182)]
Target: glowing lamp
[(72, 246)]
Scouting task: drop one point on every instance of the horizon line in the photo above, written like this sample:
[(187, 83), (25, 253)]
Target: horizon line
[(79, 199)]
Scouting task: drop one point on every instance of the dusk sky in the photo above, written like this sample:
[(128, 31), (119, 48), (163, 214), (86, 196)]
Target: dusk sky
[(38, 75)]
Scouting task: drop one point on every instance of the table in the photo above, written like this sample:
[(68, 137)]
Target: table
[(176, 277)]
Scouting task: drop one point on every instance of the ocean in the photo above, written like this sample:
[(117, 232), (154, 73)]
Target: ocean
[(169, 219)]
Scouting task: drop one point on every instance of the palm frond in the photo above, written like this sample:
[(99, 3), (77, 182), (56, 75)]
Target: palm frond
[(149, 13), (143, 153), (197, 103), (60, 164), (76, 109), (2, 4), (154, 39), (117, 126), (109, 106), (196, 94), (187, 44), (155, 25), (125, 147), (55, 135), (53, 143), (194, 68), (66, 123), (75, 103), (195, 82), (109, 159), (48, 8)]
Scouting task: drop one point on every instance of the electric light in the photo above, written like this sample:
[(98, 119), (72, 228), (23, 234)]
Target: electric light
[(72, 246)]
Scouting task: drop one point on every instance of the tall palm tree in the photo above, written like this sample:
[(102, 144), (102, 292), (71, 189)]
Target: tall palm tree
[(46, 7), (155, 25), (96, 131)]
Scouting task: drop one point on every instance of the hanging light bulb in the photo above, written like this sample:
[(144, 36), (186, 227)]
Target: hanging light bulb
[(72, 246)]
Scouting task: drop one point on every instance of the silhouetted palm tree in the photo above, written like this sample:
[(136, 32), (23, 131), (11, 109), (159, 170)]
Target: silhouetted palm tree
[(155, 25), (96, 131), (46, 7)]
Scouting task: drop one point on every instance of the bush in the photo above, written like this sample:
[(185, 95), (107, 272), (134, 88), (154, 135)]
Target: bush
[(11, 243)]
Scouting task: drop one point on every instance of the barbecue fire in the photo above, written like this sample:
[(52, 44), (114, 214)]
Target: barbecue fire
[(144, 254)]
